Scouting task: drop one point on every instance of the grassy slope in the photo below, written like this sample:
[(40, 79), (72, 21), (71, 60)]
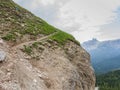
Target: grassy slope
[(21, 21), (62, 37), (18, 22)]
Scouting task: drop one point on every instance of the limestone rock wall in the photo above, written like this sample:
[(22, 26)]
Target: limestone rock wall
[(50, 67)]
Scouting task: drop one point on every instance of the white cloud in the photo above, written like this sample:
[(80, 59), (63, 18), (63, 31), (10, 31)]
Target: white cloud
[(46, 9), (82, 18), (88, 15), (111, 31)]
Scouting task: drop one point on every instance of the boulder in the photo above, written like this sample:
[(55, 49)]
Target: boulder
[(2, 56), (1, 41)]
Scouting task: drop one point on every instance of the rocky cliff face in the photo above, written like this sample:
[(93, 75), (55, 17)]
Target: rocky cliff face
[(39, 56)]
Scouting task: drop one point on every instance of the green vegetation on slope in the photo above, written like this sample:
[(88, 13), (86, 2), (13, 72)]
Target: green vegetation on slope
[(62, 37), (27, 49), (109, 81), (18, 24)]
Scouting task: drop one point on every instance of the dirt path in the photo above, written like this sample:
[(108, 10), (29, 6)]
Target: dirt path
[(19, 54), (40, 39)]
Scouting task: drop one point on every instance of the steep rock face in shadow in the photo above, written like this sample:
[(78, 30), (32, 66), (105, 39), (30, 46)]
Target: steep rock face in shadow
[(40, 60)]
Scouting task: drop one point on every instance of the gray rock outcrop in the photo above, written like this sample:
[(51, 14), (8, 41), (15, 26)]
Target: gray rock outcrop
[(2, 56), (55, 68)]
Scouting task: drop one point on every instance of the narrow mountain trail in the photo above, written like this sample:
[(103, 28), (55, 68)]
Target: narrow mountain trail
[(17, 56), (16, 49), (29, 42)]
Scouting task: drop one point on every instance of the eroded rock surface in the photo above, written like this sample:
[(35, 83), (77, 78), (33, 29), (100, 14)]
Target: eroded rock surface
[(49, 67)]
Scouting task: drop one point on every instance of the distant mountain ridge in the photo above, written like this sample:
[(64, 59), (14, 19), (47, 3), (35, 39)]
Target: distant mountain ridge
[(94, 42), (105, 55), (91, 44)]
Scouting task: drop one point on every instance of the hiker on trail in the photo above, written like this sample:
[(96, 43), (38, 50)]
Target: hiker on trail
[(16, 8)]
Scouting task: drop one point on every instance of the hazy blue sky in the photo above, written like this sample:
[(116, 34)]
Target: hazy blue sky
[(85, 19)]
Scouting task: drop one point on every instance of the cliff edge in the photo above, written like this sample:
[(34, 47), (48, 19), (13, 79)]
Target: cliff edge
[(37, 56)]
